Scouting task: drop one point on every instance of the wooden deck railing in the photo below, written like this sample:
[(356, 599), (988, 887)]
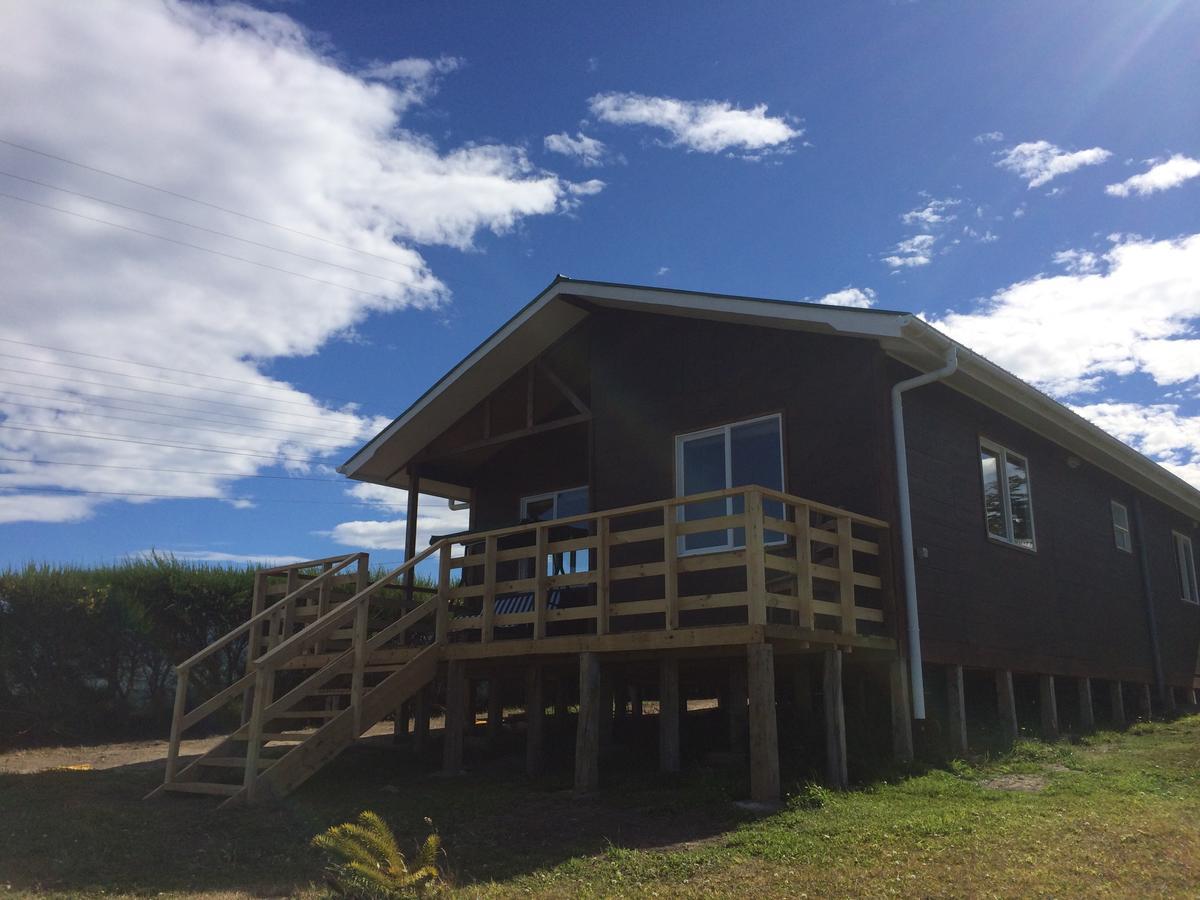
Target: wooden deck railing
[(766, 558)]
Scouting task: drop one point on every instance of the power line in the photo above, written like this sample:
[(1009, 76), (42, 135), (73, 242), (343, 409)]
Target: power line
[(121, 440), (133, 362), (123, 387), (59, 462), (171, 240), (108, 417), (162, 190), (233, 237), (90, 401), (34, 491), (183, 384)]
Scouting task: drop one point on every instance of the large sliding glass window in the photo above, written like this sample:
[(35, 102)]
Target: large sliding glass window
[(1007, 500), (728, 456)]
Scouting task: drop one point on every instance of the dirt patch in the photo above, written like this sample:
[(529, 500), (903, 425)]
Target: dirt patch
[(98, 756), (1027, 784)]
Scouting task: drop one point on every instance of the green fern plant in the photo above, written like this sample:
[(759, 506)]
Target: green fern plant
[(371, 864)]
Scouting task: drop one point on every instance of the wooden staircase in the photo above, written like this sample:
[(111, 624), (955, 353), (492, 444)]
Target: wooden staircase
[(319, 673)]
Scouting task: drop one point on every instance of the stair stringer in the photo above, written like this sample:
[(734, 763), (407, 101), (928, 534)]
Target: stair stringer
[(307, 758)]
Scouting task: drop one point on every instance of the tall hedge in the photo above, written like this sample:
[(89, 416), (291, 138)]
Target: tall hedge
[(89, 653)]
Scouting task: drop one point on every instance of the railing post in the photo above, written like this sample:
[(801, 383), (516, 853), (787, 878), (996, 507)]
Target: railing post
[(804, 585), (756, 563), (254, 642), (539, 590), (488, 613), (670, 568), (846, 574), (603, 584), (181, 685), (264, 680), (323, 595), (363, 579), (361, 615), (442, 626)]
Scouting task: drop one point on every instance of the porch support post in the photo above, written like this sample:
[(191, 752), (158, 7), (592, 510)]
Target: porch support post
[(495, 710), (607, 716), (410, 532), (764, 737), (1006, 705), (587, 731), (835, 723), (535, 718), (400, 722), (1048, 706), (635, 702), (1116, 700), (1145, 707), (736, 704), (668, 714), (956, 702), (456, 707), (421, 720), (1087, 713), (902, 736), (1168, 693), (1190, 697)]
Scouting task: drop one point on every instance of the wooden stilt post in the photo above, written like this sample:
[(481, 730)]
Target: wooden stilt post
[(764, 737), (535, 718), (1087, 712), (635, 702), (620, 698), (561, 704), (956, 701), (1048, 707), (1006, 705), (421, 720), (902, 736), (668, 714), (495, 710), (587, 731), (835, 722), (1145, 707), (802, 689), (1168, 693), (1190, 697), (400, 723), (1116, 699), (456, 703), (735, 704)]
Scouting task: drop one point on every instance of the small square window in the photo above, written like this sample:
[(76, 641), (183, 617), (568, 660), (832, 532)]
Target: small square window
[(1120, 520), (1187, 568)]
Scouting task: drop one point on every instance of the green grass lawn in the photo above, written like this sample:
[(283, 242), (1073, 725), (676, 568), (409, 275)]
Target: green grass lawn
[(1118, 814)]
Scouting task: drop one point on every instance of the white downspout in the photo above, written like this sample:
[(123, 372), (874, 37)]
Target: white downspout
[(916, 677)]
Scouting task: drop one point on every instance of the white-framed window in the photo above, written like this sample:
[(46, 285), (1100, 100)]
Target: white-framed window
[(1187, 568), (556, 505), (740, 453), (1121, 533), (1007, 497)]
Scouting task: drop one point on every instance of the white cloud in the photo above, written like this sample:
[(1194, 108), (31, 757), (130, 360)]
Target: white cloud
[(935, 212), (433, 517), (1159, 430), (663, 270), (1131, 309), (989, 137), (706, 126), (587, 151), (912, 252), (859, 298), (1038, 162), (240, 108), (1160, 177)]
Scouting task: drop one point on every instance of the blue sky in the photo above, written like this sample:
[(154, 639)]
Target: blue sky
[(1023, 174)]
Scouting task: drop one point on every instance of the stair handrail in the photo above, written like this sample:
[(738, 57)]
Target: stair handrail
[(291, 646), (235, 633)]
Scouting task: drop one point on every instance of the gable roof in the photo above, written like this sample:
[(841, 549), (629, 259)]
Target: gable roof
[(567, 301)]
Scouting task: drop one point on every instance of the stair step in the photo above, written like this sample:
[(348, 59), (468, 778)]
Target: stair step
[(306, 714), (332, 692), (202, 787), (285, 736), (233, 762)]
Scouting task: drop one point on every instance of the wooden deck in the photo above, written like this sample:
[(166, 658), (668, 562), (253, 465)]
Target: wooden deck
[(734, 569)]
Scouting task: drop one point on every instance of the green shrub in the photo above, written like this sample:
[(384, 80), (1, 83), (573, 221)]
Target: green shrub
[(370, 864)]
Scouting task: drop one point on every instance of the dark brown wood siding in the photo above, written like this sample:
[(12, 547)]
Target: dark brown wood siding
[(1073, 606)]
